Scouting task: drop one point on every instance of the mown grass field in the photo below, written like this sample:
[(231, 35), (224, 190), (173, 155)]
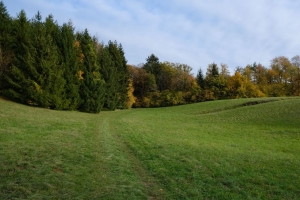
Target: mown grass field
[(227, 149)]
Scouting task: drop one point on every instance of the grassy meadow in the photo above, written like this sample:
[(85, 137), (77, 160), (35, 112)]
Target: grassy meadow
[(227, 149)]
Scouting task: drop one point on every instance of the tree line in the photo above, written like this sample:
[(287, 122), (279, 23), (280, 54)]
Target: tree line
[(49, 65), (159, 84)]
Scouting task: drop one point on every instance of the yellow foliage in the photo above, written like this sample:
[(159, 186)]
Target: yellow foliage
[(80, 73), (38, 87), (146, 102), (77, 44), (131, 99), (80, 55), (240, 87), (81, 58)]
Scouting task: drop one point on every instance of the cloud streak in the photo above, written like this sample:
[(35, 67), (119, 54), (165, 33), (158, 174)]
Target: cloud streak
[(196, 33)]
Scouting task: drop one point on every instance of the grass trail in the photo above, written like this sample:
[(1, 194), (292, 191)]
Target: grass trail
[(229, 149), (210, 151), (46, 154), (126, 177)]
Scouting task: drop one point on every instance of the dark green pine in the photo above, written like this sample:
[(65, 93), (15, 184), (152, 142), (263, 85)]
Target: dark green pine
[(124, 79), (49, 80), (20, 79), (70, 65), (122, 73), (5, 43), (92, 87), (109, 74), (56, 82), (200, 79), (152, 65)]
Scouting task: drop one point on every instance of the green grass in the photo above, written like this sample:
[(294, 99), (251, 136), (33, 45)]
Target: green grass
[(229, 149)]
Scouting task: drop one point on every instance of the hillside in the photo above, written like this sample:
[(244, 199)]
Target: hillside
[(227, 149)]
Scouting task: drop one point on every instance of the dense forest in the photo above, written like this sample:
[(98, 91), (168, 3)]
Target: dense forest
[(49, 65)]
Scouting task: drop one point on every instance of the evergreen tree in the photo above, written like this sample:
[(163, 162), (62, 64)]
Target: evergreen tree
[(214, 82), (124, 83), (92, 87), (200, 79), (20, 79), (56, 82), (152, 65), (109, 74), (212, 70), (70, 64), (6, 52), (122, 74), (50, 74)]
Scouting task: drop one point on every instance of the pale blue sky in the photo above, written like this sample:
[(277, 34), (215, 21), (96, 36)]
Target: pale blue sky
[(193, 32)]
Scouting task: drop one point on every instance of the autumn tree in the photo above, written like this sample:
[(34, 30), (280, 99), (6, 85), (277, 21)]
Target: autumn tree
[(183, 78), (281, 66), (260, 75), (280, 72), (240, 87), (131, 99), (166, 77), (224, 71), (296, 65), (142, 81)]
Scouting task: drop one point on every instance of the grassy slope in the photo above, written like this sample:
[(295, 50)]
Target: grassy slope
[(208, 150)]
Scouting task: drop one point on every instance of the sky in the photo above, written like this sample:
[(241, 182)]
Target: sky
[(192, 32)]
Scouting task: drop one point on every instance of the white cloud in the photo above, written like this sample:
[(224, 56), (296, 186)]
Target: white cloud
[(196, 33)]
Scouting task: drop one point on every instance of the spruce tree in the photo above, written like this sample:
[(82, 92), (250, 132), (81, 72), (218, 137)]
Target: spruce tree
[(122, 73), (70, 64), (50, 74), (109, 73), (92, 87), (123, 79), (56, 83), (152, 65), (20, 79), (6, 53), (200, 79)]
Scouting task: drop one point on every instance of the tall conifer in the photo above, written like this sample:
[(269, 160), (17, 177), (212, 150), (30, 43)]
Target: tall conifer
[(20, 79), (109, 73), (49, 78), (200, 79), (70, 64), (92, 86), (6, 52), (122, 75), (123, 80)]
